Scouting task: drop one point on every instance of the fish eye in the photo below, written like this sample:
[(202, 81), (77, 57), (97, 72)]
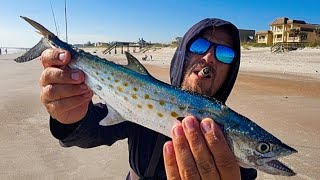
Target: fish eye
[(263, 147)]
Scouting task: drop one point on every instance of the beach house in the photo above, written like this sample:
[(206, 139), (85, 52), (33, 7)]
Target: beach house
[(287, 30)]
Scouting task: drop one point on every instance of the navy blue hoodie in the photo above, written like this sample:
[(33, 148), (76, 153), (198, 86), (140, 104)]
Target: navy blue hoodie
[(87, 133)]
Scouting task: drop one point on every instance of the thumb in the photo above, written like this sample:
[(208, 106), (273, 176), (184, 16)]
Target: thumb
[(55, 57)]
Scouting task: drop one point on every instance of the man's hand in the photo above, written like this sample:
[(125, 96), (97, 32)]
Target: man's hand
[(199, 153), (63, 91)]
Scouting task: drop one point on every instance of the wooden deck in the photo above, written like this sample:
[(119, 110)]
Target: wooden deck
[(286, 46)]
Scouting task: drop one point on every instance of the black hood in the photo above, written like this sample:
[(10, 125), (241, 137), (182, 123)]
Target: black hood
[(177, 63)]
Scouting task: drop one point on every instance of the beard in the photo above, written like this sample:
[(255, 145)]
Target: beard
[(200, 85)]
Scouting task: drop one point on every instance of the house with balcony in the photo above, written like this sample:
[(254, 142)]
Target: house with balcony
[(287, 30), (264, 37)]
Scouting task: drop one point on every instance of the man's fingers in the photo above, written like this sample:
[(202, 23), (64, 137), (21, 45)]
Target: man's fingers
[(55, 57), (60, 91), (52, 75), (224, 159), (64, 105), (187, 166), (170, 162), (201, 153)]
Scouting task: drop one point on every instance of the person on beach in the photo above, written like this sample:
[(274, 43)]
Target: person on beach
[(197, 150)]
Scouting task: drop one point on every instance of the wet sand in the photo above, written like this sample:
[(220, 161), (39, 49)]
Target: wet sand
[(284, 104)]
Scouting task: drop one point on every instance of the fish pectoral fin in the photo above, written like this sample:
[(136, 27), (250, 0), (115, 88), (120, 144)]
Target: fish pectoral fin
[(135, 65), (112, 118), (34, 52)]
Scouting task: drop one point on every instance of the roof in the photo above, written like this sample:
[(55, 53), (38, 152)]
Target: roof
[(293, 21), (285, 20), (264, 32), (279, 21)]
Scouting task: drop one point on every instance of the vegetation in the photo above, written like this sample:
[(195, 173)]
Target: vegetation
[(317, 31), (315, 43), (295, 32), (246, 45)]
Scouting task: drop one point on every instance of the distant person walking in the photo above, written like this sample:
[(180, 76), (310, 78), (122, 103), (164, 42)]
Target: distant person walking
[(6, 50), (0, 51)]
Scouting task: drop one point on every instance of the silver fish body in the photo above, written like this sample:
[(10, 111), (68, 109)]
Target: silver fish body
[(134, 95)]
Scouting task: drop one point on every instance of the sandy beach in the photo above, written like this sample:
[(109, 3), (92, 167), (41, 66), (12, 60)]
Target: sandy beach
[(280, 92)]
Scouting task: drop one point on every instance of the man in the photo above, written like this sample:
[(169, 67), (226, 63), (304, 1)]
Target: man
[(196, 151)]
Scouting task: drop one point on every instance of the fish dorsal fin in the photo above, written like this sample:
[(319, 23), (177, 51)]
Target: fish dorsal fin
[(135, 65), (41, 30)]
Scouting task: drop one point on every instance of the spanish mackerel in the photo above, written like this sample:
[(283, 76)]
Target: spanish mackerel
[(134, 95)]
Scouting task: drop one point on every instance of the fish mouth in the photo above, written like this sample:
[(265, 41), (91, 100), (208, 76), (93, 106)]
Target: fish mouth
[(272, 165), (278, 168)]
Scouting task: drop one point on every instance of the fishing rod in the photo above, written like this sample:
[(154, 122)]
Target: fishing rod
[(65, 17), (54, 19)]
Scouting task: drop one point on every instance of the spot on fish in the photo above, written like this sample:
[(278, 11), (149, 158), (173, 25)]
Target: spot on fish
[(201, 112), (112, 73), (108, 78), (125, 98), (174, 114), (156, 92), (98, 87), (181, 107), (116, 80), (160, 114), (146, 96), (172, 98), (105, 72), (134, 96), (102, 79), (110, 86), (116, 93), (97, 73), (125, 84), (162, 102), (135, 89), (150, 106), (139, 106), (119, 88)]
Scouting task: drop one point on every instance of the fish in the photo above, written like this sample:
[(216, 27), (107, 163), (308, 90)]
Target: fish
[(133, 94)]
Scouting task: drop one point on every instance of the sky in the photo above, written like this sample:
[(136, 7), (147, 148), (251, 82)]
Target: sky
[(128, 20)]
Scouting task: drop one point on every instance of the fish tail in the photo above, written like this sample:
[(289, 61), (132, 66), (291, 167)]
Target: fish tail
[(34, 52)]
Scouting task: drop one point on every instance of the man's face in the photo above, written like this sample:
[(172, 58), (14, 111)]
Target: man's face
[(209, 85)]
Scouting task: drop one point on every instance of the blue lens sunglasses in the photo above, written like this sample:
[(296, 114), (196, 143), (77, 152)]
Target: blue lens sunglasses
[(201, 46)]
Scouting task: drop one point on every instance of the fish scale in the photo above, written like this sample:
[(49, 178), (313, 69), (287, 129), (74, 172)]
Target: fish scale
[(132, 94)]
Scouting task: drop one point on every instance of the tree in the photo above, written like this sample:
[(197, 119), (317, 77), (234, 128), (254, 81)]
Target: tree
[(317, 32), (89, 44), (295, 32)]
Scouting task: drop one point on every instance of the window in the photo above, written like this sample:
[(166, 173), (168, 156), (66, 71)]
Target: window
[(262, 37), (304, 36)]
